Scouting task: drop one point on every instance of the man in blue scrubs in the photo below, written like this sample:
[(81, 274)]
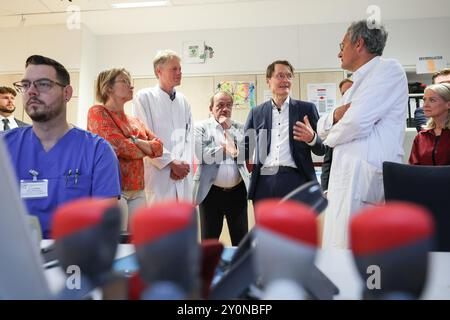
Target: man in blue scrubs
[(56, 162)]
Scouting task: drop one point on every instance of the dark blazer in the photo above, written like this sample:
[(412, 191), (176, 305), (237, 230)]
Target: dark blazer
[(258, 135), (21, 123)]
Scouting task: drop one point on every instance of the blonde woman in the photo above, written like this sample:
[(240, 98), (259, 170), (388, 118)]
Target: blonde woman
[(129, 137), (432, 145)]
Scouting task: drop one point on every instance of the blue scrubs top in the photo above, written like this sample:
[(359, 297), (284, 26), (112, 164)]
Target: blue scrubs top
[(78, 150)]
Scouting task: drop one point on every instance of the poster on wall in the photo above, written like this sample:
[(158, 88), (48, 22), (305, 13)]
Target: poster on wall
[(194, 52), (430, 64), (243, 92), (323, 95)]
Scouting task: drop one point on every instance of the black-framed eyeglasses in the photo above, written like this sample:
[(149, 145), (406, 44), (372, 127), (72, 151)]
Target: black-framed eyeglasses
[(341, 46), (41, 85)]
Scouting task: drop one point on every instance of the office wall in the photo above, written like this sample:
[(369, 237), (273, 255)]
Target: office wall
[(88, 75), (249, 50), (55, 41), (245, 51), (410, 39), (407, 40)]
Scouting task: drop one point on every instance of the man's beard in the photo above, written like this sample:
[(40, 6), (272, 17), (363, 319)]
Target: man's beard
[(44, 116), (40, 117), (6, 110)]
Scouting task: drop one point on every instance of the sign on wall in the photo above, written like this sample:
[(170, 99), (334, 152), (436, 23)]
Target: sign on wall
[(323, 95), (430, 64), (194, 52)]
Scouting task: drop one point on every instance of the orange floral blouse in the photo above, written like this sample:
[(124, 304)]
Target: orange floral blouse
[(117, 128)]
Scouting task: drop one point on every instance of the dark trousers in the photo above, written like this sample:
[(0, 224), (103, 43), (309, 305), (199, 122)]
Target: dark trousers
[(231, 204), (278, 185)]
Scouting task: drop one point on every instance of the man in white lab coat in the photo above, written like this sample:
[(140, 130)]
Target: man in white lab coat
[(168, 114), (364, 132)]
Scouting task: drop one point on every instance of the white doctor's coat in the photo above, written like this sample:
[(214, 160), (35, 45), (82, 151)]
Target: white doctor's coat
[(171, 121), (371, 132)]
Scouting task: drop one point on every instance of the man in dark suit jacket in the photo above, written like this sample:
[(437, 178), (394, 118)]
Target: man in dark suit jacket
[(7, 108), (282, 134)]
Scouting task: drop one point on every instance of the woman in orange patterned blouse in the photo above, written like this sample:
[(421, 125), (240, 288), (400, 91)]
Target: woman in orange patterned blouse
[(128, 136)]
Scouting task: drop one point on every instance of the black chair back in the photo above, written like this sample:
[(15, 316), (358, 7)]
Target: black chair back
[(425, 185)]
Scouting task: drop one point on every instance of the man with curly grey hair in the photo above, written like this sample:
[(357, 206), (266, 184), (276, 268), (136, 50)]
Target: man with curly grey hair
[(365, 131)]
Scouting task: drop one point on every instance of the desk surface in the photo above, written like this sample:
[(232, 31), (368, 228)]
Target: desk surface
[(337, 264), (56, 277)]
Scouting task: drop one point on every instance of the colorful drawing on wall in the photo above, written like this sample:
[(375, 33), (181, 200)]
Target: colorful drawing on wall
[(243, 92)]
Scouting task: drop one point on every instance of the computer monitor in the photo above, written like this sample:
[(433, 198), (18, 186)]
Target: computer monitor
[(21, 270)]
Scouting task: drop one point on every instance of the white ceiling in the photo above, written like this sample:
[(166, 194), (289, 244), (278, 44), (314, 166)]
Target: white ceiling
[(184, 15)]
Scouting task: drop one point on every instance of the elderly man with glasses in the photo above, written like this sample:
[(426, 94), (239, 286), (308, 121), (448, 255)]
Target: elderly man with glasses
[(280, 135), (54, 161), (365, 131)]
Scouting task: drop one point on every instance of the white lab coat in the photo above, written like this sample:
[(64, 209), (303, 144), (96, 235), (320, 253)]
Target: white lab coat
[(171, 121), (371, 132)]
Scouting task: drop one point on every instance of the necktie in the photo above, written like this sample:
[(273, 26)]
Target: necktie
[(5, 124)]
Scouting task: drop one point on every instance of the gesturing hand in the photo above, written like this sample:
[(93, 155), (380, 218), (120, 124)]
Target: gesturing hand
[(225, 122), (303, 131), (229, 147)]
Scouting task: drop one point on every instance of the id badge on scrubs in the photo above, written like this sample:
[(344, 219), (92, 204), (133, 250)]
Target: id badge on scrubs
[(33, 189)]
